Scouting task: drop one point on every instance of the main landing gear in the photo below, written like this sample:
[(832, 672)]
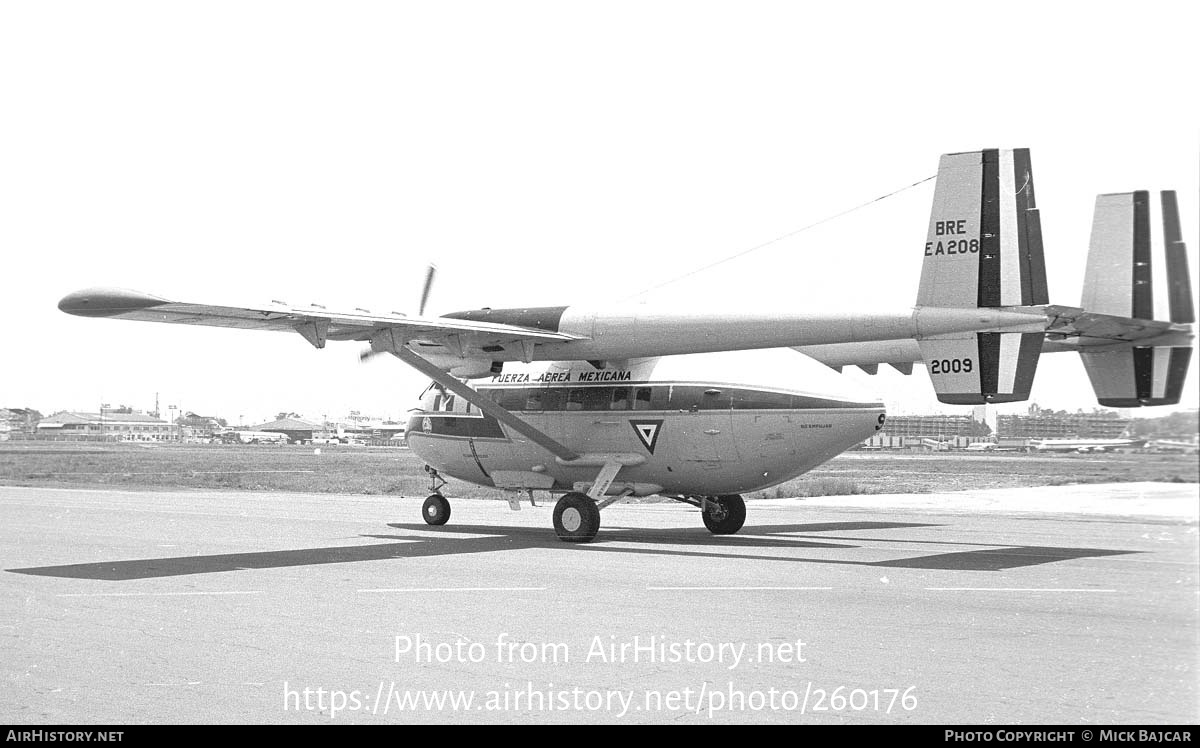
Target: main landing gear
[(722, 515), (577, 515), (576, 518)]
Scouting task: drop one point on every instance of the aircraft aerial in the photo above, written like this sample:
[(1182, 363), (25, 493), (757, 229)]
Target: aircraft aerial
[(1085, 445), (595, 405)]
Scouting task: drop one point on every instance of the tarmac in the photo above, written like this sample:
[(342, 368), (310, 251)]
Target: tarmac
[(1064, 605)]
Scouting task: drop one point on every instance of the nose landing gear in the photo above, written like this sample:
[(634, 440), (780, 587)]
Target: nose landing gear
[(436, 509)]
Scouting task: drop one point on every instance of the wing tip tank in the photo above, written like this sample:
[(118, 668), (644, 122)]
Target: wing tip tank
[(107, 302)]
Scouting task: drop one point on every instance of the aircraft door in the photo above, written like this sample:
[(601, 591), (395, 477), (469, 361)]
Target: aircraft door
[(706, 425)]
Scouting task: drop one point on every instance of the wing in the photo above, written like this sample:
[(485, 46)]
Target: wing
[(315, 324)]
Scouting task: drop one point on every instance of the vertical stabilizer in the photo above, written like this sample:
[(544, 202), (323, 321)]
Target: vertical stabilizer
[(984, 246), (1119, 280), (983, 249)]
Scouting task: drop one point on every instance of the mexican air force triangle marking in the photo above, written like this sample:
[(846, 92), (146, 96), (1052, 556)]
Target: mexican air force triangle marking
[(648, 432)]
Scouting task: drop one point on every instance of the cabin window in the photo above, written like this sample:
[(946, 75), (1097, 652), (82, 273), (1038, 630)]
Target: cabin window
[(751, 400), (641, 399), (589, 398), (533, 401), (575, 399), (597, 398), (552, 398), (681, 398), (513, 399), (620, 399), (714, 399)]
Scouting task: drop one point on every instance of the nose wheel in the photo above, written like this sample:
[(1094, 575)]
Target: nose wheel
[(436, 510)]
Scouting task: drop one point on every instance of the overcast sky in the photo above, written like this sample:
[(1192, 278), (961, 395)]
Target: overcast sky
[(541, 154)]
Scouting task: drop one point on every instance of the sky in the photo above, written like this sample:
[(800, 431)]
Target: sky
[(540, 153)]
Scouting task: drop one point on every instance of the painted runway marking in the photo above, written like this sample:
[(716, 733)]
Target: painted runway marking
[(457, 589), (737, 589), (157, 594), (190, 472), (198, 683), (1011, 589)]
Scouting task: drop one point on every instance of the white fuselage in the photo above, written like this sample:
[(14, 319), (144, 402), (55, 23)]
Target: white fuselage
[(701, 424)]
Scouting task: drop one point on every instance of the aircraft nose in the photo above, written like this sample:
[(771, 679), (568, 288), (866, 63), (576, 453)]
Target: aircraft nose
[(106, 302)]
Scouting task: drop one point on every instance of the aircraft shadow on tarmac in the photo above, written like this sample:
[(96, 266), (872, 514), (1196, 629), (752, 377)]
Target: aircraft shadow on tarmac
[(685, 542)]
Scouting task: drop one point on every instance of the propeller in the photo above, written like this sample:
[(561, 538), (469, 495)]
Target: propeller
[(430, 274)]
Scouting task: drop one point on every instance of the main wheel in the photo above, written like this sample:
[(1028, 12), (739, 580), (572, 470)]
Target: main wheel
[(724, 515), (436, 510), (576, 518)]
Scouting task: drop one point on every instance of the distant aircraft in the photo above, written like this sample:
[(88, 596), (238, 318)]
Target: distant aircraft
[(1174, 445), (1084, 445), (596, 405), (981, 447), (256, 437)]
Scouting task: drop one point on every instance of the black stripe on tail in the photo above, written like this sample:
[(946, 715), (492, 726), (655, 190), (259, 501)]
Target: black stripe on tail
[(1179, 286), (1143, 282), (989, 231)]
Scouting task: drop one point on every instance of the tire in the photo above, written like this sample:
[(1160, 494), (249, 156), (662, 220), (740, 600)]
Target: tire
[(436, 510), (729, 518), (576, 518)]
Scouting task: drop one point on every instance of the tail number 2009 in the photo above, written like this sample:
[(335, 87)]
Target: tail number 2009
[(951, 366)]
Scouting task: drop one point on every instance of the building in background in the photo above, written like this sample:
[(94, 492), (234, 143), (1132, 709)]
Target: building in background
[(110, 424), (1040, 423), (297, 431), (1018, 431), (18, 423), (198, 428)]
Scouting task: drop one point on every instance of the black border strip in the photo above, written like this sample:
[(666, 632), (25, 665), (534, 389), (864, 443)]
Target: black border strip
[(1037, 259), (989, 230), (1179, 286), (1027, 360), (1143, 372), (989, 362), (1143, 281)]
